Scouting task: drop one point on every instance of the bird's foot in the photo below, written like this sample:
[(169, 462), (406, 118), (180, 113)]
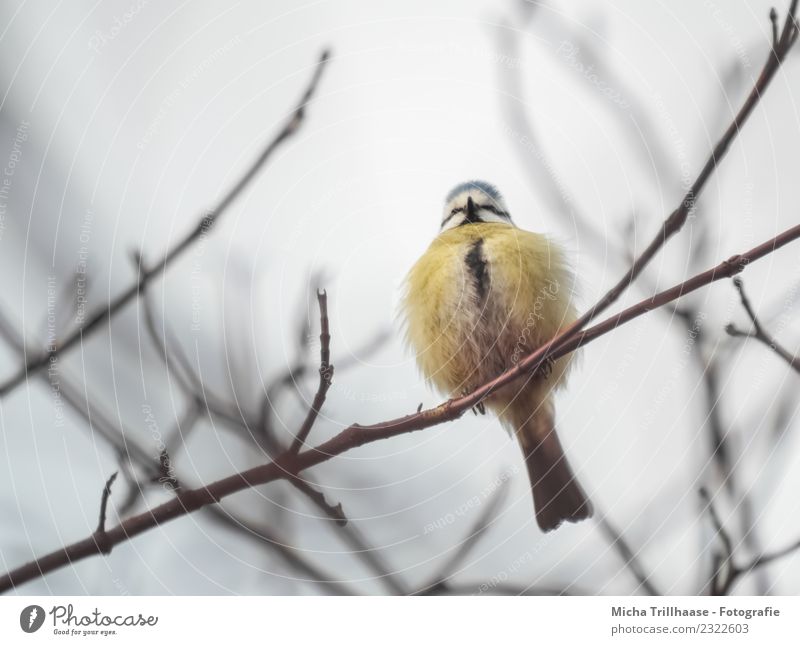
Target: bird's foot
[(546, 368), (478, 408)]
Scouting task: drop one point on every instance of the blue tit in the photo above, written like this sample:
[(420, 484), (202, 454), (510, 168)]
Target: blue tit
[(483, 295)]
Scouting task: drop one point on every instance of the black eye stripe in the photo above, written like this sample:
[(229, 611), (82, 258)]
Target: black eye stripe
[(488, 207), (493, 209), (453, 212)]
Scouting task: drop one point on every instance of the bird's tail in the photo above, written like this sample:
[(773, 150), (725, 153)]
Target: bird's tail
[(557, 495)]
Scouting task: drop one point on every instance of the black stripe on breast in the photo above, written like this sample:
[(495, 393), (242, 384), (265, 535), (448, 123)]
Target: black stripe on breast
[(477, 266)]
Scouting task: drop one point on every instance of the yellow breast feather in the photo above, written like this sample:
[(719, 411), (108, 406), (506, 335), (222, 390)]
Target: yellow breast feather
[(463, 331)]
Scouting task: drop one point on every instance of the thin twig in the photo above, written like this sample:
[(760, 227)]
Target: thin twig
[(194, 389), (101, 524), (201, 229), (628, 555), (292, 375), (726, 571), (707, 360), (121, 439), (465, 547), (100, 535), (526, 142), (541, 171), (723, 561), (357, 435), (179, 366), (678, 218), (569, 340), (773, 18), (333, 511), (759, 333), (325, 375)]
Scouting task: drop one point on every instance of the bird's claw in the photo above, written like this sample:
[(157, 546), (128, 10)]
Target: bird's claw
[(478, 408), (546, 368)]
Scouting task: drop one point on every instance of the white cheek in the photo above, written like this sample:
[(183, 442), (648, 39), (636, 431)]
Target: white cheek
[(489, 216), (454, 221)]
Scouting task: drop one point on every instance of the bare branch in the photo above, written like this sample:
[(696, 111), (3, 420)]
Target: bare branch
[(773, 18), (334, 512), (722, 562), (465, 547), (101, 524), (100, 535), (678, 218), (325, 375), (121, 440), (289, 464), (207, 221), (758, 332), (628, 555), (726, 572), (490, 589)]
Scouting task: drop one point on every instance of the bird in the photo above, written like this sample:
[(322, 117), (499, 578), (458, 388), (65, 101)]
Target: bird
[(482, 296)]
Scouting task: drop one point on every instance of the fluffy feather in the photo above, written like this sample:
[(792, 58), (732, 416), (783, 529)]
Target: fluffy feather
[(479, 299)]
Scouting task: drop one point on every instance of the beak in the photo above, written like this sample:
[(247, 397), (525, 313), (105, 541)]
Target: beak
[(471, 210)]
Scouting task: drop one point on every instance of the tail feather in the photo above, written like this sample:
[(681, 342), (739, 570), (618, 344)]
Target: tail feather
[(557, 495)]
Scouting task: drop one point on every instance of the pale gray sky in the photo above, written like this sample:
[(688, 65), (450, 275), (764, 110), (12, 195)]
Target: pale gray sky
[(133, 124)]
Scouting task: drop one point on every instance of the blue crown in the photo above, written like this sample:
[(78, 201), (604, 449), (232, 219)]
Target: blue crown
[(483, 186)]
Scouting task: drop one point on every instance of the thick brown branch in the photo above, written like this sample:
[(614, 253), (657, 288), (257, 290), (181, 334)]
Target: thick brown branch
[(292, 463), (678, 218), (201, 229), (121, 440), (356, 435)]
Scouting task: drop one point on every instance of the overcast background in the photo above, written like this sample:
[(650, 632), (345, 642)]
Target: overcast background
[(115, 136)]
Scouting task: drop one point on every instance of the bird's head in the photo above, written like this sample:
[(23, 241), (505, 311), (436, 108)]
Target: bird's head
[(473, 202)]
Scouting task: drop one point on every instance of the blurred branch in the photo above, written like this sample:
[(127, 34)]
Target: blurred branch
[(543, 172), (490, 589), (538, 166), (706, 358), (465, 547), (188, 380), (120, 439), (723, 560), (759, 333), (298, 366), (265, 439), (207, 221), (628, 555), (726, 572), (290, 464), (678, 218)]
